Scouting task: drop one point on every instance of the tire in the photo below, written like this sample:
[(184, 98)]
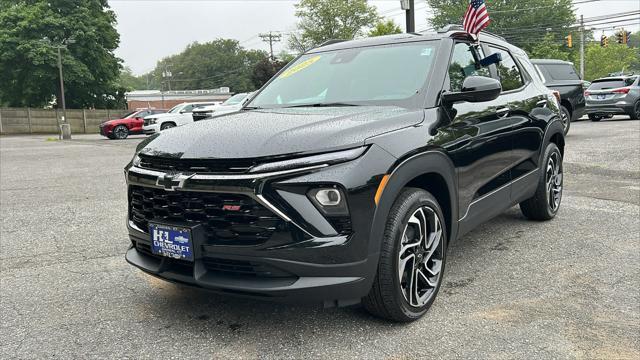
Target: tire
[(635, 113), (593, 117), (566, 119), (120, 132), (389, 297), (167, 125), (545, 203)]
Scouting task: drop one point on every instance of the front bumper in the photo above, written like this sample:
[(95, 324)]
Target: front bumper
[(151, 129), (106, 131), (336, 269)]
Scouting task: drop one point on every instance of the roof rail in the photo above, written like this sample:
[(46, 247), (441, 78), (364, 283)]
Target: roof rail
[(456, 27), (332, 41)]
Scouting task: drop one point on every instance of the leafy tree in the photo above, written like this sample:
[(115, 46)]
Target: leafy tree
[(385, 28), (221, 62), (322, 20), (264, 70), (549, 48), (29, 33), (634, 40), (600, 61), (130, 82), (522, 22)]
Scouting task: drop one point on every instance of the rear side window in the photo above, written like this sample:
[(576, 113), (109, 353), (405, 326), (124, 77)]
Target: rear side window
[(463, 65), (561, 71), (611, 84), (509, 73)]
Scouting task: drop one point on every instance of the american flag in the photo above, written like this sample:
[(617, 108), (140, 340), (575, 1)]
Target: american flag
[(476, 18)]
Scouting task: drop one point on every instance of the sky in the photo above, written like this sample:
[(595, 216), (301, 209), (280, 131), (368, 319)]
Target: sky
[(153, 29)]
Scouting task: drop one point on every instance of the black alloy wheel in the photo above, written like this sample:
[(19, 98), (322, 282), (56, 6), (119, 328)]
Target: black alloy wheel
[(565, 116), (412, 258), (636, 111), (120, 132), (545, 203)]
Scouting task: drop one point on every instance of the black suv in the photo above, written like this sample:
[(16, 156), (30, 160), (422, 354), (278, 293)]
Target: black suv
[(345, 178), (562, 77)]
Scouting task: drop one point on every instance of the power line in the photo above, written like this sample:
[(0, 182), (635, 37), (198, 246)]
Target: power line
[(271, 38)]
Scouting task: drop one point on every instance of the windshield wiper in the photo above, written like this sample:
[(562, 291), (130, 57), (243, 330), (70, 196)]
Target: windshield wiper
[(251, 108), (333, 104)]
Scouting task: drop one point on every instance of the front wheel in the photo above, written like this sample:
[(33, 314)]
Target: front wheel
[(166, 126), (120, 132), (412, 259), (566, 119), (545, 202)]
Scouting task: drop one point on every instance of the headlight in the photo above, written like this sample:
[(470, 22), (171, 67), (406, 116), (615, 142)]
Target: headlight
[(136, 160), (331, 158), (151, 121)]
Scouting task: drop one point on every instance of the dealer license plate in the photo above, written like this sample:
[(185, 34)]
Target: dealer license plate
[(171, 241)]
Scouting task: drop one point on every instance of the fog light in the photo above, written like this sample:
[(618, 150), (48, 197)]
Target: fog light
[(328, 197)]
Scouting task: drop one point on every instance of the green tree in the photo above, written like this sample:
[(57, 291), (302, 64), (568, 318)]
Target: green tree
[(130, 82), (385, 28), (29, 33), (600, 61), (522, 22), (549, 48), (264, 70), (322, 20), (222, 62)]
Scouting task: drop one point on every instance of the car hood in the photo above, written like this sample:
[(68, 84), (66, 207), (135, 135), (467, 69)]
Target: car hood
[(159, 116), (259, 133)]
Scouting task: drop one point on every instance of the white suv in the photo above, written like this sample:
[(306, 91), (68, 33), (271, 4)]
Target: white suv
[(233, 104), (179, 115)]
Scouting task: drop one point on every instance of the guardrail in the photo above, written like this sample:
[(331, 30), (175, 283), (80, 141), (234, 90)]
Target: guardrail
[(47, 121)]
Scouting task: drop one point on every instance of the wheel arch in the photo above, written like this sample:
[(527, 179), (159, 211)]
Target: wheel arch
[(553, 134), (432, 171), (168, 122)]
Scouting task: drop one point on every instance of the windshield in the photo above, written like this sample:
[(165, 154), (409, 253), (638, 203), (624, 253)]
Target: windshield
[(379, 75), (175, 109), (130, 115), (235, 99)]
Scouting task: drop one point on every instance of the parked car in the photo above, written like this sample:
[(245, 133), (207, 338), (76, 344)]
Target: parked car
[(610, 96), (177, 116), (348, 175), (129, 124), (234, 103), (562, 76)]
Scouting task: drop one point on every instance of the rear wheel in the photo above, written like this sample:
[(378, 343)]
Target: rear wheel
[(593, 117), (545, 202), (635, 114), (412, 259), (566, 119), (168, 125), (120, 132)]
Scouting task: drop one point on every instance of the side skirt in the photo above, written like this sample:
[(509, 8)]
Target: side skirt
[(496, 202)]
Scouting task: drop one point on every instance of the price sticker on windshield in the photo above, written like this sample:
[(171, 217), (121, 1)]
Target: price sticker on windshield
[(297, 68)]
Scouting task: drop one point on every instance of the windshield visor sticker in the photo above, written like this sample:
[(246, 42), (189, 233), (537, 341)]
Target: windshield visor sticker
[(296, 68)]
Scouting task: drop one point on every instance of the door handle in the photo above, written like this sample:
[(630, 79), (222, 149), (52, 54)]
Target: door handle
[(502, 112)]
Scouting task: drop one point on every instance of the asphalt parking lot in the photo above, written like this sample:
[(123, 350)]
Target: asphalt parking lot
[(569, 288)]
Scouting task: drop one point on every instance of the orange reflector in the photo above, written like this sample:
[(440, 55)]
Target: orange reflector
[(381, 187)]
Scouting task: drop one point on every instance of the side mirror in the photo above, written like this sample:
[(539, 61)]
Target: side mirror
[(475, 89)]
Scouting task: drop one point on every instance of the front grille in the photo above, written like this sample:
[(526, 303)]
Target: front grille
[(200, 116), (235, 166), (227, 219)]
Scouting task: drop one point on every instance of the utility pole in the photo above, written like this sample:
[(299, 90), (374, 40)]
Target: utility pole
[(64, 106), (167, 74), (270, 38), (408, 6), (582, 47)]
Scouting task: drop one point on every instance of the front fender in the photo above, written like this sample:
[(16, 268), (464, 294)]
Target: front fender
[(429, 162)]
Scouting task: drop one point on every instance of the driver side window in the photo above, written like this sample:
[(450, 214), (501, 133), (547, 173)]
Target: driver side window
[(463, 65)]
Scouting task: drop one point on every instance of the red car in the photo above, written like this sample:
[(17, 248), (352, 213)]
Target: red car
[(130, 124)]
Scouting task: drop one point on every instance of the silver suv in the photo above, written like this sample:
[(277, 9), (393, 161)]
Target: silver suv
[(614, 96)]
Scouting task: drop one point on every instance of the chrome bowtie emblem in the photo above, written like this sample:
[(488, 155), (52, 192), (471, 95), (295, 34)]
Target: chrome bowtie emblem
[(173, 182)]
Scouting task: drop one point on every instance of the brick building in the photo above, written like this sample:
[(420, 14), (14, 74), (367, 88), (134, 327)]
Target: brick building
[(167, 99)]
